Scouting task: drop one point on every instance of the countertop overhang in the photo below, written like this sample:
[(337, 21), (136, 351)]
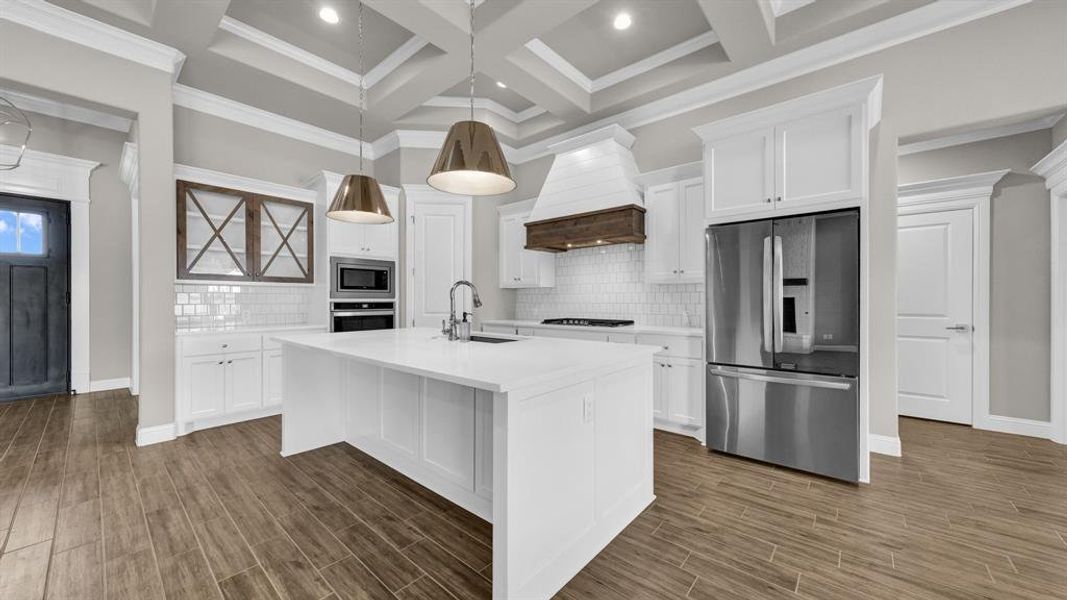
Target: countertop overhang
[(492, 367)]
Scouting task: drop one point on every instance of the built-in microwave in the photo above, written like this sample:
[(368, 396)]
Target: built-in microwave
[(363, 279)]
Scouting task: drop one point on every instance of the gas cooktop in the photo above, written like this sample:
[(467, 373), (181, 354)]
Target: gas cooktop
[(589, 322)]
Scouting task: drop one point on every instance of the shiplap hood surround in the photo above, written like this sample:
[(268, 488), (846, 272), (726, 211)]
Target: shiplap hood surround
[(591, 172)]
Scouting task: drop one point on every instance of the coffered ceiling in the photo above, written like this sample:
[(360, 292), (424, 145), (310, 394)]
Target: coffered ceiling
[(564, 64)]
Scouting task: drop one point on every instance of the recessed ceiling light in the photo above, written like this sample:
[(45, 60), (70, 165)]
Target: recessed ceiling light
[(501, 84), (328, 14), (623, 21)]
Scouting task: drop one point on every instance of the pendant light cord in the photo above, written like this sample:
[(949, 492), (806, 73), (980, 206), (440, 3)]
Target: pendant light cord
[(362, 94), (471, 2)]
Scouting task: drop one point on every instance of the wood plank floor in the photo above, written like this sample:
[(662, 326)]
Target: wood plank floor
[(218, 514)]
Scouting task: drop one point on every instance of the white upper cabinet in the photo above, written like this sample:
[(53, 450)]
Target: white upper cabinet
[(367, 241), (818, 158), (519, 267), (805, 154), (740, 173), (674, 227)]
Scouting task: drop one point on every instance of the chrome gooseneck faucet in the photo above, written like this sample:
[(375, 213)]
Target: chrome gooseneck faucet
[(453, 324)]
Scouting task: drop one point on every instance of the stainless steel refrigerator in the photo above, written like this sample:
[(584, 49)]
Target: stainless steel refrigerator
[(782, 335)]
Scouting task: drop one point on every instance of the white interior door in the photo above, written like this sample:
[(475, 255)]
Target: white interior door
[(934, 315), (438, 254)]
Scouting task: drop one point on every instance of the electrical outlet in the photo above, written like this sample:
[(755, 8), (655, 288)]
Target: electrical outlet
[(827, 337), (587, 409)]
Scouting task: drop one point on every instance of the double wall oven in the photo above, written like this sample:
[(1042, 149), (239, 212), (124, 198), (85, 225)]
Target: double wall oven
[(362, 294)]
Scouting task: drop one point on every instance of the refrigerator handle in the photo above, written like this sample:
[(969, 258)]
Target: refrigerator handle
[(768, 322), (779, 292), (817, 383)]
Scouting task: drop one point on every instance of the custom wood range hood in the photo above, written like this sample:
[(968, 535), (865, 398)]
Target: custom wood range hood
[(617, 225), (590, 196)]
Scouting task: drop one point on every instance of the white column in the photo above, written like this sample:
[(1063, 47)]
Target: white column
[(1054, 169)]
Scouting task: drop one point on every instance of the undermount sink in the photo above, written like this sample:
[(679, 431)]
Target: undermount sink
[(491, 340)]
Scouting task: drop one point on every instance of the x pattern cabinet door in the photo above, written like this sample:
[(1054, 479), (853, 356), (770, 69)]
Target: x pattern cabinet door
[(284, 230)]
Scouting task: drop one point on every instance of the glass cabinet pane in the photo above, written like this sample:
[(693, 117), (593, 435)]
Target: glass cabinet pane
[(215, 238), (284, 247)]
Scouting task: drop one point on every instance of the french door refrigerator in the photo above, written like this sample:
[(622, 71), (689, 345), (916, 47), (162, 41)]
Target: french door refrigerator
[(782, 335)]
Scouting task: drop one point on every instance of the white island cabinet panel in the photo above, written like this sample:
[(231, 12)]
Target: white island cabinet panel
[(448, 434), (400, 411)]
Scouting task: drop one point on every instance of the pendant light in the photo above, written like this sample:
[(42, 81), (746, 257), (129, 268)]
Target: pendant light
[(471, 162), (360, 199), (15, 131)]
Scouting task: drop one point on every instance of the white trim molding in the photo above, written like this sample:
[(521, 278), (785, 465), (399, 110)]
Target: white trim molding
[(486, 104), (884, 444), (155, 434), (66, 111), (980, 135), (129, 173), (591, 86), (103, 385), (1054, 169), (975, 193), (231, 110), (73, 27), (58, 177), (420, 138), (247, 184)]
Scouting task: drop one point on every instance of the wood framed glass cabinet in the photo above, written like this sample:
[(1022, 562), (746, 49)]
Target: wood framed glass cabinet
[(233, 235)]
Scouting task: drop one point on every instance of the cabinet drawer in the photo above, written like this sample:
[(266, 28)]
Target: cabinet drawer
[(680, 346), (196, 345)]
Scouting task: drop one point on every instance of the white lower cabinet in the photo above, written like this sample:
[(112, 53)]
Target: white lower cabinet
[(225, 378), (685, 392)]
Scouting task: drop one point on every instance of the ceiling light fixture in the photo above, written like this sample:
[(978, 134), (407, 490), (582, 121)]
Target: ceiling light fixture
[(328, 14), (15, 130), (501, 85), (359, 199), (471, 162), (623, 21)]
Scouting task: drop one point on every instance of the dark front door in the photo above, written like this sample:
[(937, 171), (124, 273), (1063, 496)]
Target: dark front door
[(34, 297)]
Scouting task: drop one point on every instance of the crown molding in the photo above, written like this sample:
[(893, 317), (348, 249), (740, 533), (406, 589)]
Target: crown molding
[(671, 174), (979, 135), (73, 27), (893, 31), (782, 7), (128, 166), (950, 188), (231, 110), (328, 181), (239, 182), (1054, 169), (560, 64), (47, 175), (420, 139), (485, 104), (611, 132), (69, 112), (314, 61)]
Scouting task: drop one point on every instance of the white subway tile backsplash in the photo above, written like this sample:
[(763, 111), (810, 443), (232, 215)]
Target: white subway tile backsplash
[(609, 282), (203, 306)]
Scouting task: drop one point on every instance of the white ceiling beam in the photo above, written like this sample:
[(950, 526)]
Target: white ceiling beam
[(66, 111), (745, 27), (979, 135)]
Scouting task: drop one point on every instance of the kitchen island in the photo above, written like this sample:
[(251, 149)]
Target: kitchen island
[(548, 439)]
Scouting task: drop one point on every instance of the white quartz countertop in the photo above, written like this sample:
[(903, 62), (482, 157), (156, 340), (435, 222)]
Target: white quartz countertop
[(262, 329), (662, 330), (494, 367)]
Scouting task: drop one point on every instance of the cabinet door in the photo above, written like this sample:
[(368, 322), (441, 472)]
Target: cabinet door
[(661, 223), (819, 158), (691, 230), (272, 377), (660, 388), (530, 260), (244, 381), (381, 241), (205, 387), (512, 239), (739, 173), (212, 233), (345, 239), (285, 247), (685, 398)]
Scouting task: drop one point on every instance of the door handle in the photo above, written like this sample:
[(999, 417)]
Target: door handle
[(959, 327), (768, 322), (817, 383), (779, 293)]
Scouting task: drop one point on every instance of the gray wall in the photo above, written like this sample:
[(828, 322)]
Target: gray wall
[(1020, 277), (110, 298)]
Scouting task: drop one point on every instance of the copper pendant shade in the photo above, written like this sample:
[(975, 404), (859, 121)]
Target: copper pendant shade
[(471, 162), (359, 200)]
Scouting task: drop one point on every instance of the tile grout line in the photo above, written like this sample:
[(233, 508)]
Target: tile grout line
[(62, 488), (144, 517)]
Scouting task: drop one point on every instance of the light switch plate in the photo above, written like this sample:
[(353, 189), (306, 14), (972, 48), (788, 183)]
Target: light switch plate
[(587, 409)]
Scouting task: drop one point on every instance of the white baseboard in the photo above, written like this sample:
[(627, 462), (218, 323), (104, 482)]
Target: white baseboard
[(79, 381), (884, 444), (101, 385), (1028, 427), (155, 434)]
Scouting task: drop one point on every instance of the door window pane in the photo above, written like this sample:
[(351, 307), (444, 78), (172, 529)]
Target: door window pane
[(21, 233)]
